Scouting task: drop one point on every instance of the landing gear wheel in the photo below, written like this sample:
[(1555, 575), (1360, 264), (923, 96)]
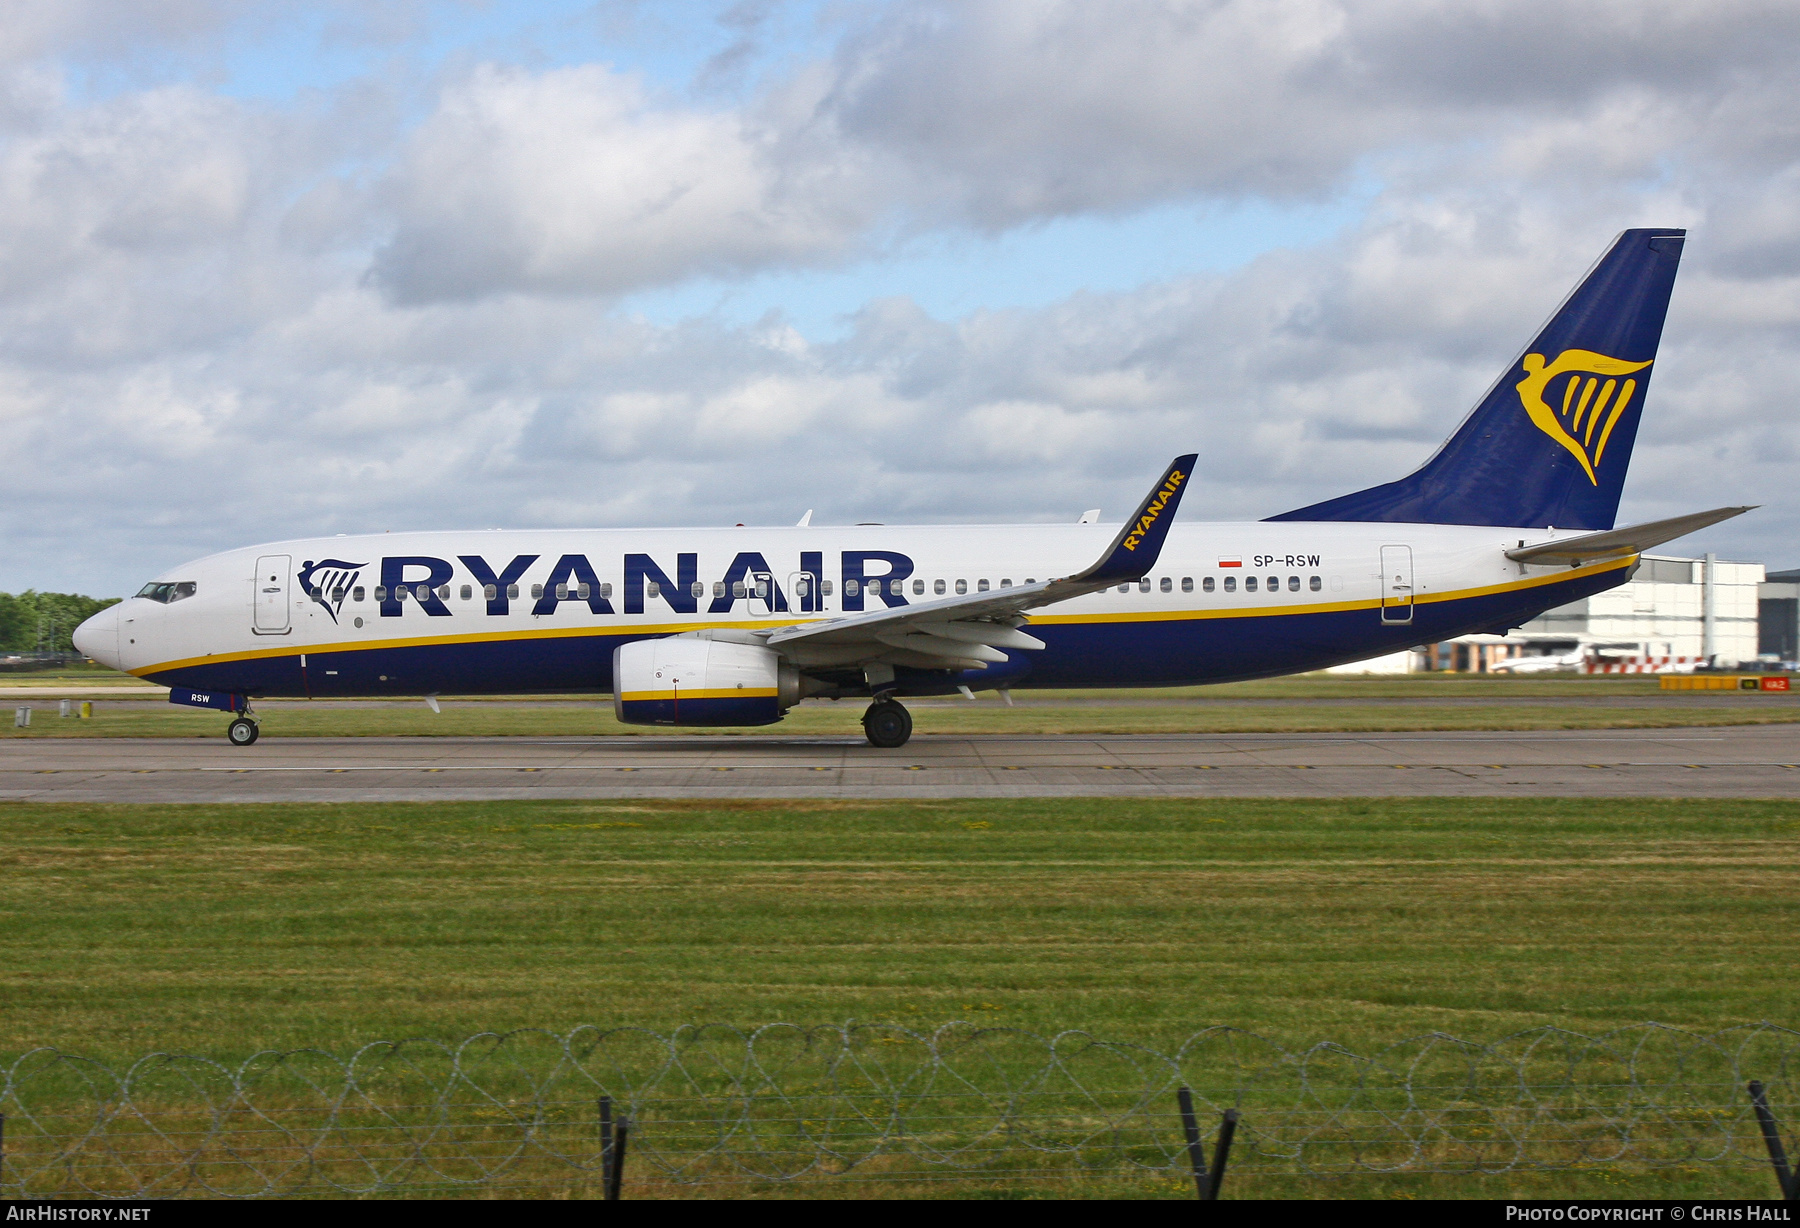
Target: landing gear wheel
[(887, 724), (242, 731)]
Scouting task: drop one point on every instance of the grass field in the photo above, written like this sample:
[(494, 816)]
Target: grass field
[(1311, 703), (226, 929)]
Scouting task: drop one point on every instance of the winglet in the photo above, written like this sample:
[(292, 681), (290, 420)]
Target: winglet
[(1134, 551)]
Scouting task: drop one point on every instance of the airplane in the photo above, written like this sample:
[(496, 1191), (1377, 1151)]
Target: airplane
[(1512, 516), (1571, 660)]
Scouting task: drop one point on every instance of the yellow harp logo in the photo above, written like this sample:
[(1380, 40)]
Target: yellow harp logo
[(1576, 424)]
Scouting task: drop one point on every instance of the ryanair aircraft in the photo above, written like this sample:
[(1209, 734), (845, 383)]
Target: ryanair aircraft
[(717, 627)]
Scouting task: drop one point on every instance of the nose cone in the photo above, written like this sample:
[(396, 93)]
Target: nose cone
[(98, 637)]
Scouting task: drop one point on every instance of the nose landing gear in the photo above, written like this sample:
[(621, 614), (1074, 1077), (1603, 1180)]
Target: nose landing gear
[(887, 724)]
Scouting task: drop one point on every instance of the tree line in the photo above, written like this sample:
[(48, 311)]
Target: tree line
[(42, 622)]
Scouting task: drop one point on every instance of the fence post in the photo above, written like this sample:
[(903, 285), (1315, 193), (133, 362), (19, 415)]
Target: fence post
[(617, 1176), (606, 1145), (1190, 1127), (1222, 1153), (1771, 1133)]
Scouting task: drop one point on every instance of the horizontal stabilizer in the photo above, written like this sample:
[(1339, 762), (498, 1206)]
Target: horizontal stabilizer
[(1615, 543)]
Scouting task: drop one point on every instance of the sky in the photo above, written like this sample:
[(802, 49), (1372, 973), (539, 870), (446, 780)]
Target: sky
[(272, 269)]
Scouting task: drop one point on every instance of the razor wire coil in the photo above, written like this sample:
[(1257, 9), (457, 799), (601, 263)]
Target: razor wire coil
[(716, 1105)]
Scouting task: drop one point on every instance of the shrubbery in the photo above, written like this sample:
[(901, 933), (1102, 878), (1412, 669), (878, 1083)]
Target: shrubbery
[(42, 622)]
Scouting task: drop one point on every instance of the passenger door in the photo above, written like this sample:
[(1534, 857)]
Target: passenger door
[(271, 595), (1396, 584)]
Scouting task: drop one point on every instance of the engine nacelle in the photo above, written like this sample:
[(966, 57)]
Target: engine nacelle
[(683, 681)]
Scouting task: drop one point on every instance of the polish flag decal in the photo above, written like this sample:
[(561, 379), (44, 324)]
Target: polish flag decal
[(1231, 562)]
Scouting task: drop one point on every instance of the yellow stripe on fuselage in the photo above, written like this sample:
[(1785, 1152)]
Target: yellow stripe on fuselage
[(671, 693), (496, 637)]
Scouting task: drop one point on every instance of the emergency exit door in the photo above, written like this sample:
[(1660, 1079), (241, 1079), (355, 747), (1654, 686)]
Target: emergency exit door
[(1396, 584), (271, 595), (803, 593), (759, 593)]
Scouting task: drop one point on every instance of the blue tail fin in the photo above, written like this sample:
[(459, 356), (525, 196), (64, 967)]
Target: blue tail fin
[(1550, 442)]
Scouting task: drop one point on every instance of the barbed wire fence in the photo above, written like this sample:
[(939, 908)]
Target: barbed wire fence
[(873, 1106)]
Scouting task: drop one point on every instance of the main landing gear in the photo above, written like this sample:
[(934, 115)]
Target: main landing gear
[(887, 724), (242, 731)]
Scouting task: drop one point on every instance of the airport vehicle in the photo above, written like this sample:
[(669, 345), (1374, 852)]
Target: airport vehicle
[(719, 627)]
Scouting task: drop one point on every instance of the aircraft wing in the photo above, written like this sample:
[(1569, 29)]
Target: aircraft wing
[(1616, 543), (969, 631)]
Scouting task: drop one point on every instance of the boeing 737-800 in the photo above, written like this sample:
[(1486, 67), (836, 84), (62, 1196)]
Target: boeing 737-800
[(718, 627)]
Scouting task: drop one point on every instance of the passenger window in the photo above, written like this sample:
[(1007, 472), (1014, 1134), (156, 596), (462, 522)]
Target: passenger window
[(762, 589), (1187, 584), (652, 588), (380, 593), (512, 592), (605, 590), (1231, 584), (490, 591), (698, 589), (1207, 584), (467, 592), (1313, 584), (1249, 584), (962, 586), (537, 591), (1124, 588), (1144, 585), (851, 588), (937, 586), (718, 588), (1029, 580), (981, 586), (337, 596), (1274, 584), (737, 589), (1293, 584), (316, 593), (1168, 585), (918, 588), (825, 587), (584, 592), (562, 592), (444, 593), (401, 592), (356, 594), (1006, 584)]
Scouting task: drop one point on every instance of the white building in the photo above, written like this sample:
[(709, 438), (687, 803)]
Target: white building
[(1671, 607)]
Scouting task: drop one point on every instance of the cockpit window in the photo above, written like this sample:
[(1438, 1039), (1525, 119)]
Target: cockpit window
[(166, 591)]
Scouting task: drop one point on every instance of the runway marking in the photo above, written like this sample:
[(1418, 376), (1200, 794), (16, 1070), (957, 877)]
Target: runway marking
[(971, 766)]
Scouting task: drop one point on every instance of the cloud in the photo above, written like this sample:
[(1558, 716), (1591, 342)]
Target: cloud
[(570, 181)]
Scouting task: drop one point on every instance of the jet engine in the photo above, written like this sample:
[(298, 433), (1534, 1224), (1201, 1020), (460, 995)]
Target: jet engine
[(691, 681)]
